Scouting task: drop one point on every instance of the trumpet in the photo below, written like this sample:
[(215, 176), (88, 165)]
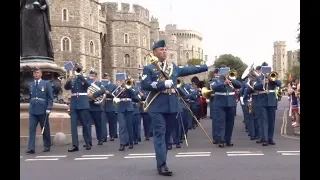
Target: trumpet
[(273, 76), (179, 82), (232, 75), (206, 92)]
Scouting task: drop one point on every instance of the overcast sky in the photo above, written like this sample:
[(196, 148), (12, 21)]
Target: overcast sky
[(243, 28)]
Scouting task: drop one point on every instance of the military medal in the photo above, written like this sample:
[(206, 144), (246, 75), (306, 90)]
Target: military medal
[(42, 88)]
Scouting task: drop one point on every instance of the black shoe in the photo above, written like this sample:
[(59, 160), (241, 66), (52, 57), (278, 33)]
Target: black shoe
[(122, 148), (111, 139), (139, 140), (229, 144), (164, 171), (178, 146), (46, 149), (130, 146), (265, 144), (147, 139), (30, 151), (271, 142), (88, 147), (73, 149), (100, 143), (85, 145), (116, 136), (169, 147), (252, 138), (260, 141), (104, 140), (135, 143), (126, 144)]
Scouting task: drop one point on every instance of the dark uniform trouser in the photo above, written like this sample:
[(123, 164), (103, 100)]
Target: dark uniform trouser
[(96, 117), (224, 118), (33, 122), (146, 124), (125, 127), (136, 127), (196, 113), (84, 117), (254, 127), (162, 128), (246, 117), (267, 119), (112, 124), (176, 131), (186, 119)]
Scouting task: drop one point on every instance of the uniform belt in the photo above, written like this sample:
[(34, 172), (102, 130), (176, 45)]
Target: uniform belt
[(36, 98), (109, 99), (263, 92), (191, 101), (224, 93), (167, 91), (79, 94), (125, 99)]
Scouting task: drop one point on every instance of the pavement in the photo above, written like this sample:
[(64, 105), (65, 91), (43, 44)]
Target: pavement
[(246, 160)]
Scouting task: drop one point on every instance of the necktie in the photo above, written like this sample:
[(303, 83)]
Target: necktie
[(37, 83)]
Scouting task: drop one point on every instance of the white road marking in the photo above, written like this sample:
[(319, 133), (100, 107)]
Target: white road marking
[(288, 151), (244, 153), (290, 154), (139, 156), (51, 156), (92, 158), (51, 159), (101, 155), (238, 152), (193, 154)]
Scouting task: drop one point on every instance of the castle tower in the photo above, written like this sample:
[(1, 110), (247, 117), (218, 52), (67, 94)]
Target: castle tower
[(128, 38), (154, 30), (279, 62), (75, 32)]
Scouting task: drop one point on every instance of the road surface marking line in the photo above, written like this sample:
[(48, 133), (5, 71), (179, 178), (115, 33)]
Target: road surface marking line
[(245, 154), (92, 158), (133, 157), (51, 156), (238, 152), (193, 155), (101, 155), (144, 154), (290, 154), (53, 159), (288, 151), (21, 157)]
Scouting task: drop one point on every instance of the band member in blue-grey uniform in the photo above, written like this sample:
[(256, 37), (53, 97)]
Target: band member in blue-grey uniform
[(136, 121), (96, 109), (145, 115), (223, 108), (164, 108), (109, 110), (194, 102), (79, 109), (124, 96), (41, 101), (214, 126), (268, 105)]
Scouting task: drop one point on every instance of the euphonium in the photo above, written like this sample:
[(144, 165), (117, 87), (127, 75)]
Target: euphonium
[(273, 76), (98, 100)]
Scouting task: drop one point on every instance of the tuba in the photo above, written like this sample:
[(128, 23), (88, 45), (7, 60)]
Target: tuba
[(232, 74), (251, 74), (78, 69)]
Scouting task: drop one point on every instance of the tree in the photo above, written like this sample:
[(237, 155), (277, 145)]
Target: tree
[(295, 73), (194, 61), (231, 61), (298, 40)]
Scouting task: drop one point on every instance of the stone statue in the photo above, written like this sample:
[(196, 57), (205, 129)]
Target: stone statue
[(35, 29)]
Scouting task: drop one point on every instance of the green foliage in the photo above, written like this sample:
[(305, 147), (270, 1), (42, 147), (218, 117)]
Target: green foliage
[(295, 73), (233, 62), (194, 61)]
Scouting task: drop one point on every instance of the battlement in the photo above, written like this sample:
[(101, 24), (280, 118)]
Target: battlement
[(153, 19), (279, 43), (126, 11), (187, 34)]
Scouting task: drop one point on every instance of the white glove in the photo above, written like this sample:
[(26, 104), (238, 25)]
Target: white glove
[(208, 100), (48, 111), (116, 100), (168, 83), (241, 101), (128, 87)]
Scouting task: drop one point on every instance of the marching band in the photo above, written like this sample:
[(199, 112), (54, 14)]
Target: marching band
[(168, 106)]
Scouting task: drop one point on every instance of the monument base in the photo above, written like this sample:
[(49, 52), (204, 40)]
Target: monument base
[(59, 120)]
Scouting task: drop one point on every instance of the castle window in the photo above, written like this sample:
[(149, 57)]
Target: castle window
[(90, 19), (171, 56), (187, 55), (144, 41), (126, 38), (65, 16), (91, 47), (145, 61), (65, 44), (127, 59)]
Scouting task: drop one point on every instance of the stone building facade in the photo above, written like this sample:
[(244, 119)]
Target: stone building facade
[(114, 37), (283, 60)]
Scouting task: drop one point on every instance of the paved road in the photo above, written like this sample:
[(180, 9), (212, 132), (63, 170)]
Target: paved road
[(200, 160)]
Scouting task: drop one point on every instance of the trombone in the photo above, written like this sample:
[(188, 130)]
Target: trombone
[(232, 75), (154, 61), (128, 82)]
